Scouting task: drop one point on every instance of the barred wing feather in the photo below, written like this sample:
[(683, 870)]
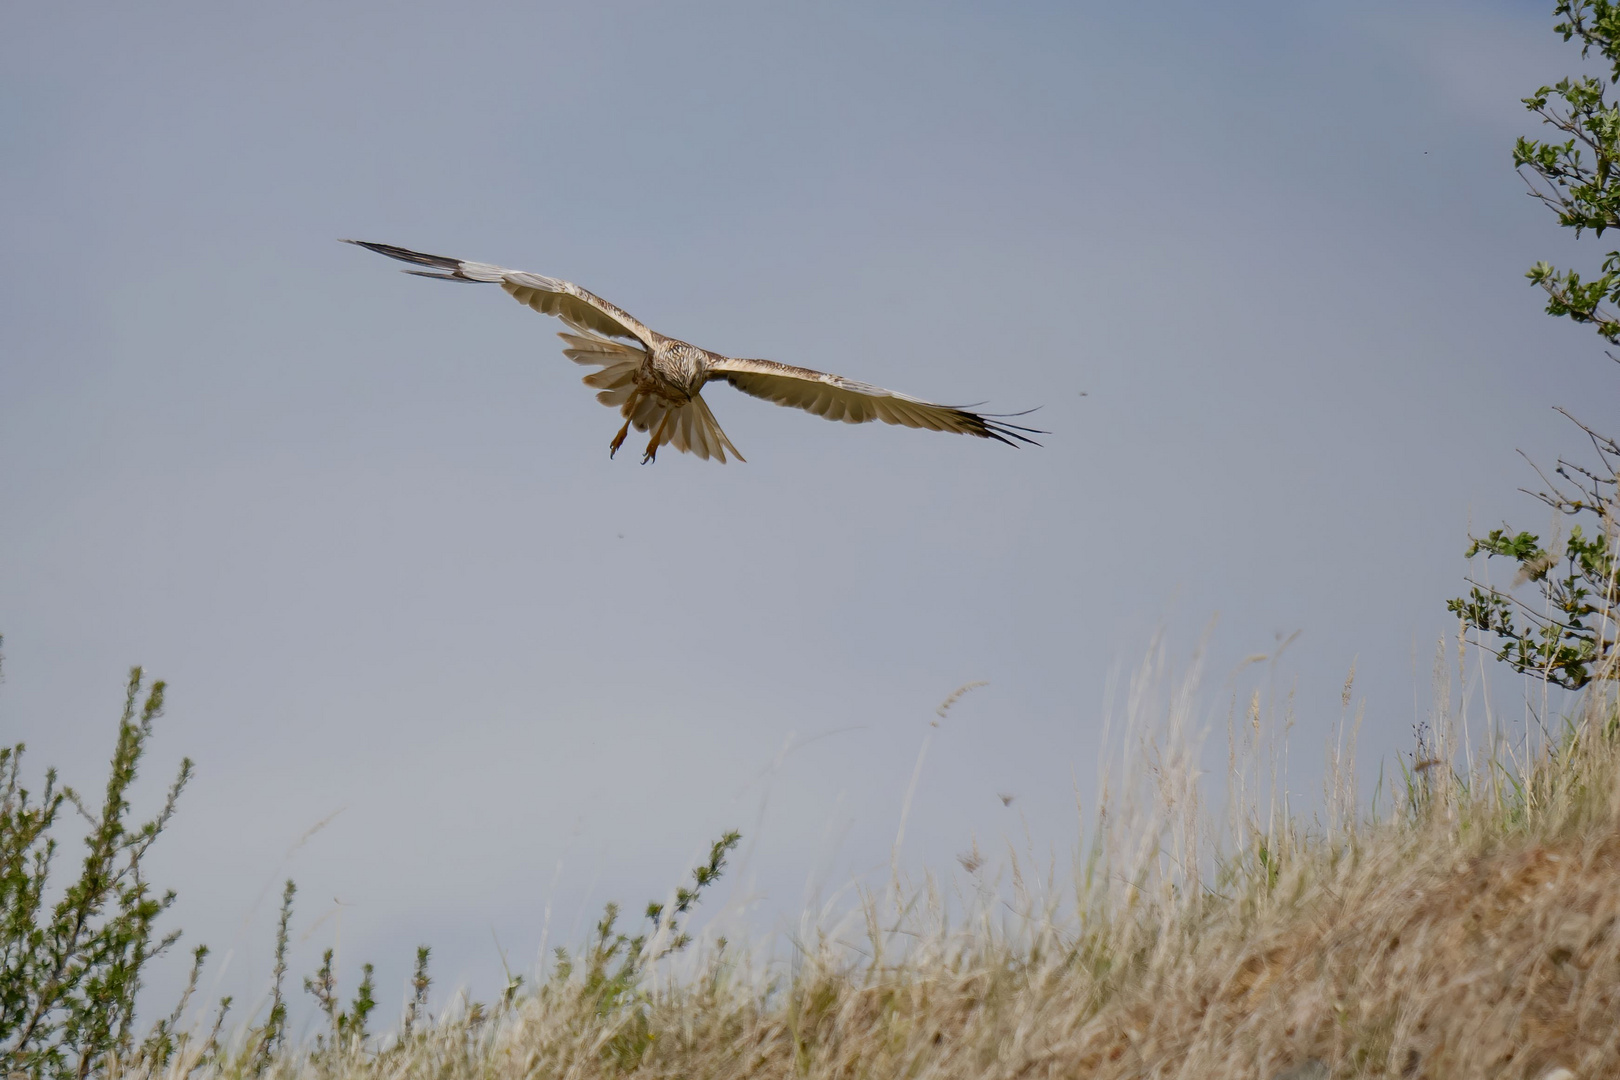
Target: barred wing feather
[(579, 308), (838, 398)]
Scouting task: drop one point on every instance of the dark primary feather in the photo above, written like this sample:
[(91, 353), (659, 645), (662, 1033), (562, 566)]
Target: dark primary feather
[(992, 428), (438, 262)]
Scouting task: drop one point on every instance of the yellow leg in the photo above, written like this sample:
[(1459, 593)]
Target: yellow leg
[(657, 437), (618, 440)]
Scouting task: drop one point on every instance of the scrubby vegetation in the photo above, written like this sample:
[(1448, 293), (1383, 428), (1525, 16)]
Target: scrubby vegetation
[(1468, 924)]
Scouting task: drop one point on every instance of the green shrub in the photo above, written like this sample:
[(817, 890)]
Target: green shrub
[(1572, 637), (70, 970)]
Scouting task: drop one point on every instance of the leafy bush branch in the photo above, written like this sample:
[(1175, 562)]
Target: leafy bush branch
[(1575, 176), (1570, 638)]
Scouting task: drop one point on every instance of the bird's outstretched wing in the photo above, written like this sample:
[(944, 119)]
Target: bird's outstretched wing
[(838, 398), (577, 307)]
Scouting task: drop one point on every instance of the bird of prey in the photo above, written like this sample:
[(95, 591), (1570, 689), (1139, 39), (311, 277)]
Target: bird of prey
[(656, 382)]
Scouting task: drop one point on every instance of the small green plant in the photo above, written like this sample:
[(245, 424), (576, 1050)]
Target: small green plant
[(614, 962), (165, 1037), (346, 1027), (273, 1035), (70, 971), (416, 1012)]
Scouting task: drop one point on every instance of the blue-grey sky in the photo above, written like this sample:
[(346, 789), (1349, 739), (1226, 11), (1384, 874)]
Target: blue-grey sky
[(1259, 265)]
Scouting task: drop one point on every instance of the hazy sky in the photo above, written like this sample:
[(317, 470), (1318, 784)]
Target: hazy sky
[(1259, 265)]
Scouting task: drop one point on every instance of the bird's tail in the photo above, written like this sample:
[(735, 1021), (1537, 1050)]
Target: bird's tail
[(695, 430), (690, 428)]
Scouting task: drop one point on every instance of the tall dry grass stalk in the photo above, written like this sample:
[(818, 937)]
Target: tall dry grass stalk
[(1467, 926)]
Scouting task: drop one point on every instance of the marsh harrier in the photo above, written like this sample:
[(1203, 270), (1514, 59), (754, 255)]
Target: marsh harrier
[(656, 382)]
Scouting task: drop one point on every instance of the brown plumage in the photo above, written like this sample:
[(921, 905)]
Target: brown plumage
[(656, 382)]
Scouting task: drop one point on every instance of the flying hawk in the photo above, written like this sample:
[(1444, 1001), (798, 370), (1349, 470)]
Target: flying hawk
[(656, 382)]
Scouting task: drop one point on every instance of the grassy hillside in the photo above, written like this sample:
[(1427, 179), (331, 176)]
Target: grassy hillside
[(1468, 925)]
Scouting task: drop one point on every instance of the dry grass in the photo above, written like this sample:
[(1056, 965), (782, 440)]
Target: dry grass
[(1471, 932)]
